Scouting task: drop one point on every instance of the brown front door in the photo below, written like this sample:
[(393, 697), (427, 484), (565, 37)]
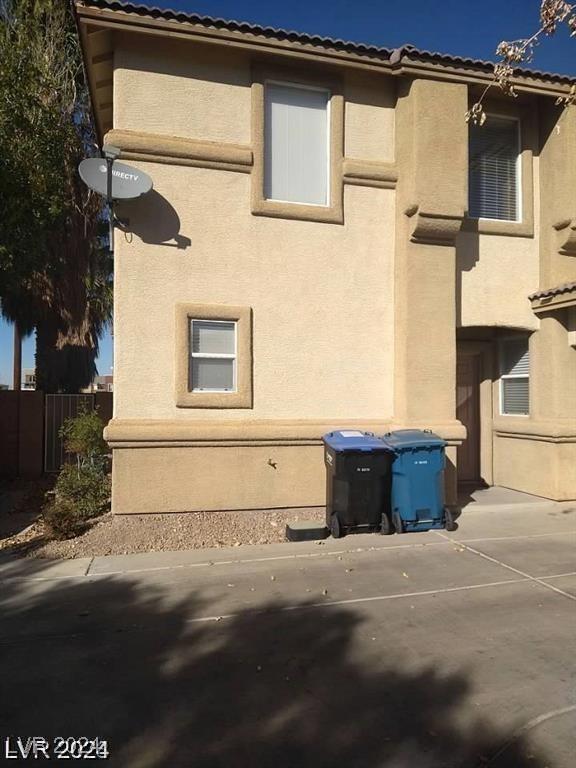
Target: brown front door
[(468, 412)]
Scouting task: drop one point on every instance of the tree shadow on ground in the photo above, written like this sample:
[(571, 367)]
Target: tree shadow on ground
[(281, 687), (21, 502)]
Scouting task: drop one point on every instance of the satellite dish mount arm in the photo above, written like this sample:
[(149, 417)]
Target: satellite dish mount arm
[(110, 154), (109, 163)]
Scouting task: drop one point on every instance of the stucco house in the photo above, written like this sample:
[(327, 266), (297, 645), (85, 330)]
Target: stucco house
[(330, 244)]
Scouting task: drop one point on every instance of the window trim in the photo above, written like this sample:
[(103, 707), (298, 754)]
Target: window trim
[(506, 376), (523, 227), (213, 355), (184, 396), (518, 169), (333, 211)]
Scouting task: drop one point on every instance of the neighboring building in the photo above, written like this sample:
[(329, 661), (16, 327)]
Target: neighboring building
[(29, 378), (101, 384), (4, 386), (329, 244)]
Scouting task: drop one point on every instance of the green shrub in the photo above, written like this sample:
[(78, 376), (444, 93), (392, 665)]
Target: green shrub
[(61, 517), (82, 491), (88, 488), (82, 435)]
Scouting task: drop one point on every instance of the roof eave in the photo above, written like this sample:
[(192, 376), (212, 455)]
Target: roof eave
[(88, 72), (90, 18), (122, 20), (522, 84), (562, 297), (410, 63)]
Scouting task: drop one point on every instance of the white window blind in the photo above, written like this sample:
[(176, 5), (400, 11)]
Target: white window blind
[(493, 170), (515, 377), (296, 141), (212, 356)]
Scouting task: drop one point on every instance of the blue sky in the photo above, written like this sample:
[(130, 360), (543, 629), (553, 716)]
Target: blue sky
[(462, 27)]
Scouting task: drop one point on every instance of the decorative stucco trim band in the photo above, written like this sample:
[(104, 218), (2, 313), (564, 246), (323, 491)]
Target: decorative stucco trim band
[(566, 237), (119, 432), (543, 431), (123, 433), (434, 228), (156, 147), (176, 150), (367, 173)]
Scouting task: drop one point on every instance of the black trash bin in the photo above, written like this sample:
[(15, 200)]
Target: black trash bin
[(358, 483)]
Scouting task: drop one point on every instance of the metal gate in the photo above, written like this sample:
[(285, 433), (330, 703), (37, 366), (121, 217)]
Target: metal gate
[(57, 409)]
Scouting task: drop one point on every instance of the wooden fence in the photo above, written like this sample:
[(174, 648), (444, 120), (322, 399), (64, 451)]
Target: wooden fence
[(29, 425)]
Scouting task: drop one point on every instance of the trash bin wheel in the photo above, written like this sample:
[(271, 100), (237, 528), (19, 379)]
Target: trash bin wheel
[(335, 527), (386, 527), (450, 524), (397, 521)]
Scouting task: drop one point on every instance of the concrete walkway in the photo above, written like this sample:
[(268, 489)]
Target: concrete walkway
[(422, 650), (496, 498)]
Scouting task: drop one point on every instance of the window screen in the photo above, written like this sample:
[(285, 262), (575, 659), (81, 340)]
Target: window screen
[(296, 144), (514, 379), (493, 170), (212, 356)]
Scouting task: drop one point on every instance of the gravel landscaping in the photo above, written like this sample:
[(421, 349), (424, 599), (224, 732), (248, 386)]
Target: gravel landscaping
[(117, 535)]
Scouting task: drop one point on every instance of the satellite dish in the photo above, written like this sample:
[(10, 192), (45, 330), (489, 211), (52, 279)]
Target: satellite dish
[(128, 183)]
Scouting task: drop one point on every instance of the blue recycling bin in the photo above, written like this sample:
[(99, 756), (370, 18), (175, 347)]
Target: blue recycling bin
[(418, 481)]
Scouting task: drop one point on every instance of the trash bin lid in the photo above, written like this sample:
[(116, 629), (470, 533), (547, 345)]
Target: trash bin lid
[(354, 440), (402, 439)]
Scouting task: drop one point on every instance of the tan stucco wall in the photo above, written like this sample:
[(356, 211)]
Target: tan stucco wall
[(235, 476), (369, 117), (210, 478), (534, 466), (553, 381), (321, 295), (181, 89), (557, 184), (537, 454), (497, 274), (432, 160)]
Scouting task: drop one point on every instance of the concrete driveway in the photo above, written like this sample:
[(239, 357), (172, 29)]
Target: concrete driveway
[(406, 651)]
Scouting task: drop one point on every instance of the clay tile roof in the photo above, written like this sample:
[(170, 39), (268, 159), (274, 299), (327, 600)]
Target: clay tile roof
[(393, 56), (463, 62), (564, 288), (238, 26)]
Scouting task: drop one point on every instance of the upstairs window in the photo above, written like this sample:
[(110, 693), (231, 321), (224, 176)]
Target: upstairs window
[(296, 144), (494, 169), (514, 377), (212, 356)]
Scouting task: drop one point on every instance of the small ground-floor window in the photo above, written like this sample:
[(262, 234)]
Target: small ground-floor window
[(213, 356), (514, 376)]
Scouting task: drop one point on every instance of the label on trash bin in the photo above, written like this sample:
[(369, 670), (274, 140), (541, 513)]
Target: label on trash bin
[(351, 433)]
